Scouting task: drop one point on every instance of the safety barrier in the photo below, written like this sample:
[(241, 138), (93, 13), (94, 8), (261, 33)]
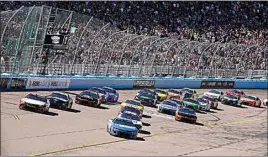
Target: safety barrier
[(37, 82)]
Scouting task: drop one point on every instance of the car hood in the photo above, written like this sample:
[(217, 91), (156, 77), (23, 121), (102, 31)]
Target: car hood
[(124, 127), (31, 101), (189, 103), (59, 99), (161, 95), (168, 106)]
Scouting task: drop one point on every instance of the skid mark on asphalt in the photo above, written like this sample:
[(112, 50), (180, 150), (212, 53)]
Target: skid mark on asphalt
[(12, 115), (146, 136)]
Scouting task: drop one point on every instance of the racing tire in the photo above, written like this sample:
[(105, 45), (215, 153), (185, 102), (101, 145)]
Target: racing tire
[(21, 106), (77, 101), (42, 110)]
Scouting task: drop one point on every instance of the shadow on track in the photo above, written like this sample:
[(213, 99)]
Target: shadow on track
[(113, 103), (189, 122), (201, 112), (211, 111), (69, 110), (49, 113), (146, 116), (99, 107), (218, 109), (145, 132), (146, 124)]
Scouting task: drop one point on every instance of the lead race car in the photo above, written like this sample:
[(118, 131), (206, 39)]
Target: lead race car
[(60, 100), (215, 94), (39, 103), (133, 117)]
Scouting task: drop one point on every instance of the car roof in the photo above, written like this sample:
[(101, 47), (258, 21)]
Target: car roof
[(60, 93)]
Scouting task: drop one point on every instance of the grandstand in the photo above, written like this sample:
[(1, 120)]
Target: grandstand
[(91, 45)]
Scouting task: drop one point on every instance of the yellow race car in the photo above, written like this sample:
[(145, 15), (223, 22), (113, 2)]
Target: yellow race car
[(191, 93), (133, 103), (161, 94)]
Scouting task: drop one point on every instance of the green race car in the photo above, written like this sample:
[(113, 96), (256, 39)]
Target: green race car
[(191, 103)]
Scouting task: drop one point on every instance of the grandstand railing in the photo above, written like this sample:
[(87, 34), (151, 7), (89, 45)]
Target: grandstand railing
[(99, 48)]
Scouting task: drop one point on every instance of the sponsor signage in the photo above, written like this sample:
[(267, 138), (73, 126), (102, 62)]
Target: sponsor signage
[(217, 84), (3, 83), (47, 83), (59, 83), (143, 83), (18, 83), (54, 39)]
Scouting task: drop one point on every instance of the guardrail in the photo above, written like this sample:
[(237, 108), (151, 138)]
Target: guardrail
[(38, 82)]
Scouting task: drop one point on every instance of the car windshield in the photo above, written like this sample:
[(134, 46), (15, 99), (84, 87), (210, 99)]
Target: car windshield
[(215, 91), (187, 91), (109, 90), (92, 95), (144, 94), (170, 103), (232, 96), (130, 109), (130, 116), (186, 110), (161, 92), (133, 102), (36, 97), (123, 122), (201, 100), (191, 101), (250, 97), (177, 101), (58, 95), (174, 91)]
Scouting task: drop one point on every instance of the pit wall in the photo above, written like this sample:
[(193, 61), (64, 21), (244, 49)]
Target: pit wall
[(37, 82)]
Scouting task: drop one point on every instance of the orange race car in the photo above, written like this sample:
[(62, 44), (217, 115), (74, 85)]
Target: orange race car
[(172, 93), (251, 100)]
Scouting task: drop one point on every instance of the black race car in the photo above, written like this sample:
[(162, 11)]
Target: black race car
[(231, 100), (146, 99), (89, 98), (60, 100)]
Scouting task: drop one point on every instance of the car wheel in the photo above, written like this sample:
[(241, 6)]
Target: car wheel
[(21, 106), (70, 106), (42, 110), (77, 101)]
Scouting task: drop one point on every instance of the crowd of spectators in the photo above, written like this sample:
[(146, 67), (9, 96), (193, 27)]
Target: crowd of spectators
[(232, 22)]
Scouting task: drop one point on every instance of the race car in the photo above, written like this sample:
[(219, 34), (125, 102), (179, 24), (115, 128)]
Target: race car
[(172, 93), (265, 102), (251, 100), (167, 106), (212, 101), (39, 103), (235, 92), (133, 103), (214, 93), (133, 117), (113, 96), (89, 98), (146, 99), (102, 93), (231, 100), (122, 127), (191, 103), (161, 94), (185, 113), (60, 100), (188, 93), (177, 101), (204, 104), (132, 110), (145, 90)]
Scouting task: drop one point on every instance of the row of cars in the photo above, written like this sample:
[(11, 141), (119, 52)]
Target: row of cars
[(93, 97)]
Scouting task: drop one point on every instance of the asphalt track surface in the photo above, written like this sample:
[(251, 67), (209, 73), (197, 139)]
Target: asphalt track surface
[(82, 131)]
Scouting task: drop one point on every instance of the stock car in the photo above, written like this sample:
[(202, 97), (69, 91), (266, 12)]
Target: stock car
[(212, 101), (122, 127), (131, 110), (60, 100), (189, 93), (204, 104), (214, 93), (185, 113), (235, 92), (102, 93), (39, 103), (113, 96), (145, 90), (133, 117), (231, 100), (89, 98), (265, 102), (133, 103), (146, 99), (172, 93), (161, 94), (167, 106), (177, 101), (251, 100), (191, 103)]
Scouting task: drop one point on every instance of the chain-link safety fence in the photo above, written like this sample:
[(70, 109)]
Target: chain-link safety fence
[(98, 48)]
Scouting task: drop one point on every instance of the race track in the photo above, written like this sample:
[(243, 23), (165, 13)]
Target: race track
[(82, 131)]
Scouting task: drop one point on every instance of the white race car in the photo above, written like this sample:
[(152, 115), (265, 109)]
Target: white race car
[(215, 94), (39, 103), (265, 102), (204, 104)]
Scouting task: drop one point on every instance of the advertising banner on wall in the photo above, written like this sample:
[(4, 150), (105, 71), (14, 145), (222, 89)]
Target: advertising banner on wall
[(217, 84), (47, 83), (59, 83), (18, 83), (3, 83), (144, 83)]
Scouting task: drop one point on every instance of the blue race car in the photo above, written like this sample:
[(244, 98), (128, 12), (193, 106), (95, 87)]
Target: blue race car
[(102, 93), (168, 106), (122, 127), (113, 96)]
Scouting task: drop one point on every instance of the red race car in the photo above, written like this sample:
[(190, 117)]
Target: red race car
[(235, 92)]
